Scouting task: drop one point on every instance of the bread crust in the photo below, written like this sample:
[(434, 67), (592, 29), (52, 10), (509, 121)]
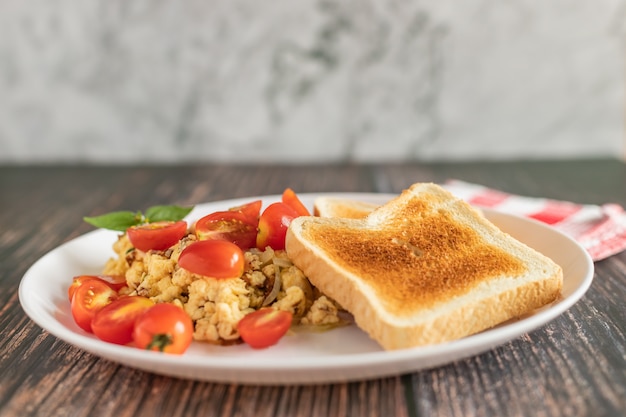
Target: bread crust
[(457, 273), (340, 207)]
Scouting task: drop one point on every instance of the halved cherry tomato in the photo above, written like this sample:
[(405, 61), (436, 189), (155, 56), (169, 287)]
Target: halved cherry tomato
[(157, 235), (88, 298), (251, 210), (264, 327), (213, 258), (291, 199), (117, 282), (233, 226), (114, 323), (165, 328), (273, 225)]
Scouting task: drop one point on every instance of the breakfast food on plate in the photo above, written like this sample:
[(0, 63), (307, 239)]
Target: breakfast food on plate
[(217, 305), (327, 206), (218, 270), (422, 269)]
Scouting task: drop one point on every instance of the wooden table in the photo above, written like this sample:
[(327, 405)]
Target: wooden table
[(573, 366)]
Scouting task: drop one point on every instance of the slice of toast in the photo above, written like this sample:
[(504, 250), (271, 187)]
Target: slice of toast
[(341, 207), (424, 268), (325, 206)]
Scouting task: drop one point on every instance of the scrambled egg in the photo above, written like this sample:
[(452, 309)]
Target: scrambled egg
[(216, 305)]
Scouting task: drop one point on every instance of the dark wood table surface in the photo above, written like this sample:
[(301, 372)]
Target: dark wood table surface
[(573, 366)]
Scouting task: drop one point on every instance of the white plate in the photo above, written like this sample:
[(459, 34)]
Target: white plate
[(341, 354)]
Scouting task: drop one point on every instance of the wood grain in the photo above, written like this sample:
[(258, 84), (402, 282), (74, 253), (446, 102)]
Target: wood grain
[(574, 365)]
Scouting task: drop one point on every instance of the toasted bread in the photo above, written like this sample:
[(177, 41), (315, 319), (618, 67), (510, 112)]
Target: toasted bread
[(325, 206), (341, 207), (422, 269)]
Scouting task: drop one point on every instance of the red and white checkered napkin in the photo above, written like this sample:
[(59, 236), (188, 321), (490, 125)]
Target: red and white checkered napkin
[(599, 229)]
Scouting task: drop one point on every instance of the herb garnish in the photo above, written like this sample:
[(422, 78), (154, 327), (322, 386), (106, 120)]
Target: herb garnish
[(122, 220)]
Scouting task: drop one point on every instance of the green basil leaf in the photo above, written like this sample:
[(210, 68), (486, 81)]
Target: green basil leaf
[(166, 213), (117, 220)]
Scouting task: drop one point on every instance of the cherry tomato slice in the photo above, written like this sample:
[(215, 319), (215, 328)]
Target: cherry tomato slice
[(117, 282), (165, 328), (251, 210), (291, 199), (273, 225), (157, 235), (213, 258), (114, 323), (233, 226), (88, 298), (264, 327)]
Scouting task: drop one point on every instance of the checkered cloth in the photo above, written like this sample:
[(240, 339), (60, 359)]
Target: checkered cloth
[(599, 229)]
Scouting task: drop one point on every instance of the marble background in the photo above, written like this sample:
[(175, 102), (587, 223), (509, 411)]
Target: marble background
[(128, 81)]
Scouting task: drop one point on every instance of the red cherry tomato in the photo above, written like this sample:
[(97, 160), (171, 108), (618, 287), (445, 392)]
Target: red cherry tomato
[(117, 282), (251, 210), (213, 258), (273, 225), (264, 327), (233, 226), (157, 235), (114, 323), (291, 199), (165, 328), (88, 298)]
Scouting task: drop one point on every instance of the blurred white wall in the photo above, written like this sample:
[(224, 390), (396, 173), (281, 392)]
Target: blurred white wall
[(124, 81)]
